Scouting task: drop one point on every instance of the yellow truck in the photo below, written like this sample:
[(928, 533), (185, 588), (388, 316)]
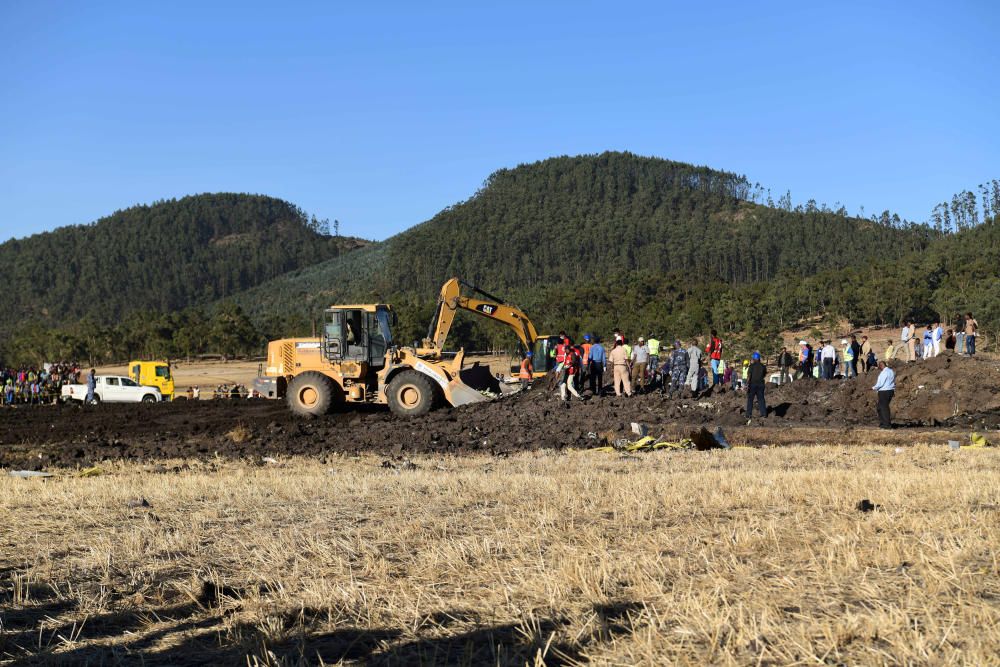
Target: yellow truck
[(153, 374)]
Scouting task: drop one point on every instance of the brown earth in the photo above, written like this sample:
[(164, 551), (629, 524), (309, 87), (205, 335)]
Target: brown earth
[(936, 400)]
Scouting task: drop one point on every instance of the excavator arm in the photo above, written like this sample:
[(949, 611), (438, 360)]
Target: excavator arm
[(451, 300)]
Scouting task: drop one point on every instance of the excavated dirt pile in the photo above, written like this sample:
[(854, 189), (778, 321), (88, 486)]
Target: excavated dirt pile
[(945, 392)]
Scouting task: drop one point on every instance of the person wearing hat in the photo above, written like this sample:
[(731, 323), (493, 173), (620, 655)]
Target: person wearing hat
[(679, 362), (619, 368), (527, 370), (640, 359), (756, 377), (847, 359)]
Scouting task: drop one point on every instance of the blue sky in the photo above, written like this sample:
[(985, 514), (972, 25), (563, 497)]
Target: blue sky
[(382, 114)]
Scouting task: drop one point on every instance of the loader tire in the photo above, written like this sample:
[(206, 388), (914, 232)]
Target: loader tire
[(310, 394), (410, 393)]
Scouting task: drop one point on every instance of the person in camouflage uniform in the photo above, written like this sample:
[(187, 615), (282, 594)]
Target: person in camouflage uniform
[(678, 369)]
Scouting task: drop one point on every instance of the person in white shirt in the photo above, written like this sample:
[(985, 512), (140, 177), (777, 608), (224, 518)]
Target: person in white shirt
[(885, 386), (938, 335), (829, 359), (908, 341)]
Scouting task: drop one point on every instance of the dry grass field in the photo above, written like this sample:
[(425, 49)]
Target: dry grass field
[(747, 556)]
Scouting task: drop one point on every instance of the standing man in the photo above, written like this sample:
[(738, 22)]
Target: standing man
[(640, 359), (928, 342), (694, 365), (619, 369), (784, 363), (654, 356), (960, 333), (585, 366), (829, 359), (886, 388), (91, 385), (936, 338), (756, 377), (971, 331), (805, 358), (714, 351), (866, 349), (679, 362), (848, 359), (856, 354), (907, 338), (598, 364), (527, 370)]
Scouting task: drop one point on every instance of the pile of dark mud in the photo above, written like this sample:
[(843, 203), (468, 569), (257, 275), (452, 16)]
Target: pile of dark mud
[(945, 392)]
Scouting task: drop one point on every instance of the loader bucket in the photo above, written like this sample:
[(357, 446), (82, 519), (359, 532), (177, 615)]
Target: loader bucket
[(459, 393)]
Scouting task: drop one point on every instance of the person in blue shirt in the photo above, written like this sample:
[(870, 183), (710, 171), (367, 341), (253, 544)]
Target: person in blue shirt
[(598, 363), (886, 388)]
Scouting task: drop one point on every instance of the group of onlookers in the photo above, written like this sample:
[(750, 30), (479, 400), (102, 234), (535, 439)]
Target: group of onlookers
[(929, 342), (678, 369), (30, 385)]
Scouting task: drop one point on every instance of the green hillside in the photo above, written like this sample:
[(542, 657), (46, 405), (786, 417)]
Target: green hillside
[(593, 241), (580, 243), (163, 257)]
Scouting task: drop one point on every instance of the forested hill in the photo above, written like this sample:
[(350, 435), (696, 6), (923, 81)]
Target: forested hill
[(165, 256), (574, 221)]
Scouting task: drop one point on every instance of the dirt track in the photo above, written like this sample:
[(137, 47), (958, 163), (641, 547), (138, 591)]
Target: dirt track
[(937, 399)]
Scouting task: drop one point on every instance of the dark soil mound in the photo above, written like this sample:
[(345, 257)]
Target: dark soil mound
[(948, 391)]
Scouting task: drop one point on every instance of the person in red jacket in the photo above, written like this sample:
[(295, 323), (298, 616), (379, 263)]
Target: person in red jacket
[(714, 351)]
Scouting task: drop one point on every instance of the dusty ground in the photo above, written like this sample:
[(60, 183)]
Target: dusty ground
[(722, 557)]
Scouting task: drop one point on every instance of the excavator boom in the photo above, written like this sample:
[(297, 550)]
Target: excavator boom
[(451, 300)]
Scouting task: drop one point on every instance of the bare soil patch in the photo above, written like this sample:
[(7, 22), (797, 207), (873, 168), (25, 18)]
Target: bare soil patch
[(939, 399)]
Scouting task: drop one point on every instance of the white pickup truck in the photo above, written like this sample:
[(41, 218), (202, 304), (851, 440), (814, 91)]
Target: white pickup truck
[(113, 389)]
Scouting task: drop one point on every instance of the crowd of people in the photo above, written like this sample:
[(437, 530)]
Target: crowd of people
[(686, 369), (30, 385)]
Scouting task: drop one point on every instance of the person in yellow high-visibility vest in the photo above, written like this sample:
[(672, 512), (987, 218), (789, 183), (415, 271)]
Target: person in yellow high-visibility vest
[(848, 357)]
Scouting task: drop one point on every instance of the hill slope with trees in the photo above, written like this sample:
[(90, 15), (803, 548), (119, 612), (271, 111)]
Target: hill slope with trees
[(165, 257), (592, 241)]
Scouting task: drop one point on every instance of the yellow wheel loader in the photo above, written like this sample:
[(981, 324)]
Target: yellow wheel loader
[(356, 360)]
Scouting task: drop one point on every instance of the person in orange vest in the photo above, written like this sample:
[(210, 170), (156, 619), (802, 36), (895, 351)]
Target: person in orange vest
[(714, 351), (584, 361), (527, 370), (561, 349), (571, 367)]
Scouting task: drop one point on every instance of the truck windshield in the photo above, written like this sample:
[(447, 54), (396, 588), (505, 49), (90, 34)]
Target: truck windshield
[(382, 316), (163, 372)]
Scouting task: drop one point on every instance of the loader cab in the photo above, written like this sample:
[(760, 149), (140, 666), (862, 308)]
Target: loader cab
[(360, 334)]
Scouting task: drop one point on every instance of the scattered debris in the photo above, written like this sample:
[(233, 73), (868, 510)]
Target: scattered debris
[(639, 429), (405, 465), (866, 505), (978, 441), (138, 503), (93, 471), (703, 440), (25, 474), (269, 459)]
